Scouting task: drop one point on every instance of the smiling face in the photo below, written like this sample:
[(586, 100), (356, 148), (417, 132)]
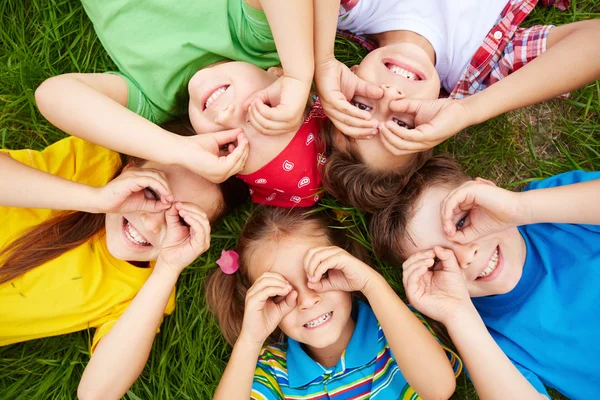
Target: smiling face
[(490, 265), (319, 320), (217, 94), (137, 237), (404, 70)]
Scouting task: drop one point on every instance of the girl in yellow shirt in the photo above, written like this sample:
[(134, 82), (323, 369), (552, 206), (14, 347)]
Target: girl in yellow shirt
[(65, 271)]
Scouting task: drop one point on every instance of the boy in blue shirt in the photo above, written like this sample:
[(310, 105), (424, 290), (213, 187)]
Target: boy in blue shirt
[(514, 277)]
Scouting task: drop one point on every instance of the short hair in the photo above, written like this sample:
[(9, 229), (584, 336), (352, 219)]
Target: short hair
[(347, 178), (388, 226)]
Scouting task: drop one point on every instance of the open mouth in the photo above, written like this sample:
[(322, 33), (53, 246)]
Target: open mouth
[(214, 95), (133, 235), (319, 320), (491, 265), (404, 70)]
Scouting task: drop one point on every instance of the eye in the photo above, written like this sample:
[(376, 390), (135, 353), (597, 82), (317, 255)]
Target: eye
[(401, 123), (361, 106), (151, 194), (461, 223)]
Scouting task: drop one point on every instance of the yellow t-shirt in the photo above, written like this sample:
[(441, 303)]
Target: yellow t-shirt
[(85, 287)]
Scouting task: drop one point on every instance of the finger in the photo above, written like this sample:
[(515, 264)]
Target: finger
[(396, 145), (272, 114), (266, 282), (406, 106), (288, 304), (422, 255), (264, 294), (323, 285), (415, 277), (198, 235), (457, 202), (447, 258), (191, 208), (314, 257), (225, 137), (264, 126), (258, 110), (368, 90), (350, 119), (407, 273), (239, 157), (172, 217), (409, 137), (141, 181)]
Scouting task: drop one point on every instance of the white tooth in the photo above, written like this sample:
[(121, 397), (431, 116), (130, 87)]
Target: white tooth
[(214, 96), (492, 264)]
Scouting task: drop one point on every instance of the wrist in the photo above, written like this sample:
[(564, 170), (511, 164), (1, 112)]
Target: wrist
[(525, 212), (373, 284), (463, 315), (93, 200), (473, 112), (166, 270), (248, 343)]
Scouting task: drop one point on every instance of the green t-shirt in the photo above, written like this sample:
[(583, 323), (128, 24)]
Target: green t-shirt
[(158, 45)]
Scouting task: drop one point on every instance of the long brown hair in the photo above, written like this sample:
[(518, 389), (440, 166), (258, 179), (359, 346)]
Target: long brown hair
[(70, 229), (225, 294), (347, 178)]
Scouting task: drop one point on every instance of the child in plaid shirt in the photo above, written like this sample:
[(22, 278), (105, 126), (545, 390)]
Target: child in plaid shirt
[(392, 96)]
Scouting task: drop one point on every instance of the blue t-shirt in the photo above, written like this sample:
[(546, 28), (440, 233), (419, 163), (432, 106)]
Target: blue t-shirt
[(548, 324), (367, 368)]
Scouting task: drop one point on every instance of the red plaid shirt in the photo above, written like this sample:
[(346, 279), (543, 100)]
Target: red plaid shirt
[(486, 58)]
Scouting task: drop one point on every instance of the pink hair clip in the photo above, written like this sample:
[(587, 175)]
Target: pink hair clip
[(229, 262)]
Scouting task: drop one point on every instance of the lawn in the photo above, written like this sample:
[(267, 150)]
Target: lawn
[(39, 39)]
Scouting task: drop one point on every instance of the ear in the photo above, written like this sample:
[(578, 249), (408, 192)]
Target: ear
[(277, 72), (354, 68), (481, 180)]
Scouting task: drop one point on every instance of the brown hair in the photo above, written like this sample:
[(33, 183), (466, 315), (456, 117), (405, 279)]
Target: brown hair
[(67, 230), (387, 226), (348, 179), (226, 294)]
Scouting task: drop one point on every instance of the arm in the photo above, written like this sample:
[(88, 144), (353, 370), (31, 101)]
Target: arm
[(571, 61), (236, 382), (484, 358), (93, 107), (121, 355), (335, 83), (27, 187), (418, 355), (416, 351), (493, 209), (441, 294), (261, 317)]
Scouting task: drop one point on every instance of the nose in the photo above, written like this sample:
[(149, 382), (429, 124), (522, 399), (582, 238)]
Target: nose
[(231, 116), (153, 222), (308, 298), (465, 254), (392, 92)]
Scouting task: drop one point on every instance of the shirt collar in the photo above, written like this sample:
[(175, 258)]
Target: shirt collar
[(362, 348)]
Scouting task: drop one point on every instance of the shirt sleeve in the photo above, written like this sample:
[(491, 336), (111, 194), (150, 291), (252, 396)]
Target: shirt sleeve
[(453, 358), (533, 379), (264, 385), (73, 159), (564, 179), (140, 104)]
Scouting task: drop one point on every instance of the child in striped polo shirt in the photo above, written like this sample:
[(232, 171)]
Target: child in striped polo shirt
[(297, 288)]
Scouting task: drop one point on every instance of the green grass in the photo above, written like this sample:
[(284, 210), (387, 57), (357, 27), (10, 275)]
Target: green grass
[(39, 39)]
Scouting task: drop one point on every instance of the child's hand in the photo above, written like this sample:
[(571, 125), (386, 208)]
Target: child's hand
[(188, 236), (435, 121), (337, 85), (279, 108), (332, 268), (202, 154), (126, 194), (485, 209), (268, 301), (439, 290)]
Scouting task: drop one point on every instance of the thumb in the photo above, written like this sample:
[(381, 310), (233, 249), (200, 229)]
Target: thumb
[(172, 217), (225, 137), (323, 285), (406, 106), (288, 304), (368, 90)]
